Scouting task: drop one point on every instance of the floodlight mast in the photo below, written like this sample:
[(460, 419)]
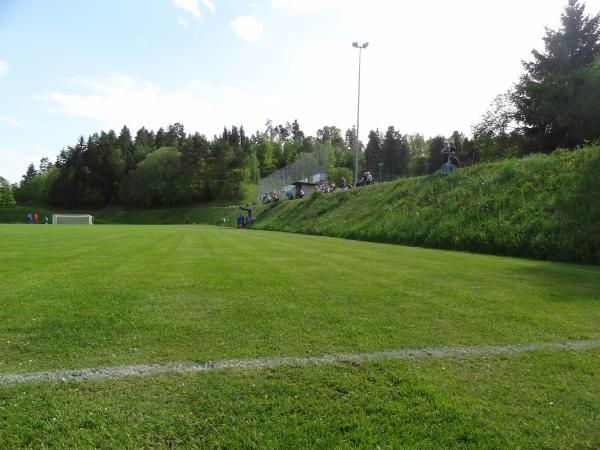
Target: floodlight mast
[(360, 49)]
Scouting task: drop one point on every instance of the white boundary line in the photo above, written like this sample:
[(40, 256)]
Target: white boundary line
[(115, 372)]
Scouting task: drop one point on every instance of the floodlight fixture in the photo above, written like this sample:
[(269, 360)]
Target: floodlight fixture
[(360, 49)]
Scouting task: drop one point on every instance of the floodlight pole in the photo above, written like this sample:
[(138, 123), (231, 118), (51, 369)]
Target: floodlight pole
[(360, 49)]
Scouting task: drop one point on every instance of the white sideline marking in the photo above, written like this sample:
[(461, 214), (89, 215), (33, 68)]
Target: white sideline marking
[(210, 366)]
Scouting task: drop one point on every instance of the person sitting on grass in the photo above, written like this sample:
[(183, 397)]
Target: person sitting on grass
[(453, 159), (452, 164), (362, 181)]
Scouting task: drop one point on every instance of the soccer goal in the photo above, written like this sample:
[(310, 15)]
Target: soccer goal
[(72, 219)]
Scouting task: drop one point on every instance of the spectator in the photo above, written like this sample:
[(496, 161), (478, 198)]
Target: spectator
[(45, 220), (452, 147), (344, 185), (240, 221), (362, 181), (448, 167), (36, 218), (453, 159), (29, 218), (445, 152), (290, 195)]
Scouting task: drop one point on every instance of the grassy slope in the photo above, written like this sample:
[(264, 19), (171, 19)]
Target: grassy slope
[(92, 296), (543, 207)]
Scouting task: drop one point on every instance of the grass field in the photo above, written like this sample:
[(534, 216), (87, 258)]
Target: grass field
[(78, 297)]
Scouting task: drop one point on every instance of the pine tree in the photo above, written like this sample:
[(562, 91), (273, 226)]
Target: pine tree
[(553, 99), (30, 174), (127, 149), (373, 152)]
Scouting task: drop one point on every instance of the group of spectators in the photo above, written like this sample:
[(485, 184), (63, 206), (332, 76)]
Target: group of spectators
[(245, 221), (328, 186), (270, 197), (35, 218)]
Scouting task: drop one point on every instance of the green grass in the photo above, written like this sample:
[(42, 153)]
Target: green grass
[(543, 207), (80, 296), (541, 400)]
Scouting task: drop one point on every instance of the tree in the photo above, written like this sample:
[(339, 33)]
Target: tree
[(550, 99), (157, 180), (332, 135), (394, 152), (264, 152), (127, 149), (7, 199), (418, 155), (435, 148), (30, 174), (373, 152), (71, 187), (496, 132), (469, 154), (297, 133)]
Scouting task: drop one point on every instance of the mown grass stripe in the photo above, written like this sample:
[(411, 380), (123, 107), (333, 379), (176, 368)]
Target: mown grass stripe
[(240, 364)]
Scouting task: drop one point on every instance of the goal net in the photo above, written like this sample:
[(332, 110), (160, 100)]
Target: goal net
[(72, 219)]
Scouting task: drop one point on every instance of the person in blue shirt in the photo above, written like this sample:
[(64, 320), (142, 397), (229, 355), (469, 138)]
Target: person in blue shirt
[(29, 218)]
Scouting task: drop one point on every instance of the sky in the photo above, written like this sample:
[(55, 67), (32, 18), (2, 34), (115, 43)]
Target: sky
[(74, 67)]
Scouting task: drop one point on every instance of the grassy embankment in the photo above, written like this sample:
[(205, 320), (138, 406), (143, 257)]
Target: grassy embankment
[(94, 296), (544, 207)]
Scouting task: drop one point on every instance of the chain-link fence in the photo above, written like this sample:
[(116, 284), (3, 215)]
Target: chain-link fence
[(309, 167)]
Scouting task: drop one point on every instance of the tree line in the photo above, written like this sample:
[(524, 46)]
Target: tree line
[(556, 103), (171, 167)]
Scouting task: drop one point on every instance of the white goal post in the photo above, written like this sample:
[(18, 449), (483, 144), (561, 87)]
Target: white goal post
[(72, 219)]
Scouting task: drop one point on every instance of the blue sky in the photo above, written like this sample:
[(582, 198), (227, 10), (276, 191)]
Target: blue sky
[(70, 68)]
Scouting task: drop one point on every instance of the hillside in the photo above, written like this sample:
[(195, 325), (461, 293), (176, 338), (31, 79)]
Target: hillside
[(541, 206)]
